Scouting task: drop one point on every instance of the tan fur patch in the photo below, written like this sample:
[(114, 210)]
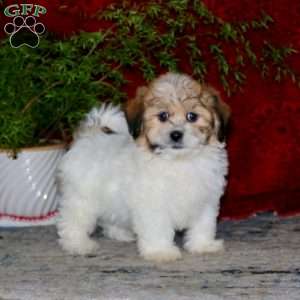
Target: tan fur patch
[(107, 130)]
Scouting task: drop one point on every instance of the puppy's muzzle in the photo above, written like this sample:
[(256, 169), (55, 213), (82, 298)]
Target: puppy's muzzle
[(176, 136)]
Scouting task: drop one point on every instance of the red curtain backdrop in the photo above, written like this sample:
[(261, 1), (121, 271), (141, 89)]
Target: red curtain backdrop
[(264, 139)]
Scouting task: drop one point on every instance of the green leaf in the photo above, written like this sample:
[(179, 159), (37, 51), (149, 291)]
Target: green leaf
[(228, 33)]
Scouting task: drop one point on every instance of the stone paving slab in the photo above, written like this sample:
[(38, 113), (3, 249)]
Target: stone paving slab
[(261, 261)]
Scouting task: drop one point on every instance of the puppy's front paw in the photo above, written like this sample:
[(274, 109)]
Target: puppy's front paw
[(165, 254), (85, 246), (202, 247)]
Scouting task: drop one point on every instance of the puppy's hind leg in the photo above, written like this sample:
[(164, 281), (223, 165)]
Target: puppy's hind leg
[(200, 237), (118, 233), (75, 224), (155, 238)]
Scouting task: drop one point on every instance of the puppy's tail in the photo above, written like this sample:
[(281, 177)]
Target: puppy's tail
[(107, 119)]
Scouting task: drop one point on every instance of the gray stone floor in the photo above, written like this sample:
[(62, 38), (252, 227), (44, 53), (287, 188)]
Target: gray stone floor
[(261, 261)]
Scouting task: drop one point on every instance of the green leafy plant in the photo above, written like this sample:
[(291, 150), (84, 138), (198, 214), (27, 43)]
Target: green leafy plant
[(45, 91), (162, 32)]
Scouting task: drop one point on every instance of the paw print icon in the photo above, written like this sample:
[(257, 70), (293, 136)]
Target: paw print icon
[(24, 31)]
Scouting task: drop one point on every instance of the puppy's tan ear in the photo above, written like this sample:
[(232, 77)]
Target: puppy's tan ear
[(134, 110), (221, 110)]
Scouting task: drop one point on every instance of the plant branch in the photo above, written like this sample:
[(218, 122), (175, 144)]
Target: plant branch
[(35, 98)]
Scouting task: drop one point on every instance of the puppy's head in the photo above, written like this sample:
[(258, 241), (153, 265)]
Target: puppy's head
[(176, 112)]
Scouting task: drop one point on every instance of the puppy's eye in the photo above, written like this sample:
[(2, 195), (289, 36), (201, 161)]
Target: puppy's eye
[(191, 117), (163, 116)]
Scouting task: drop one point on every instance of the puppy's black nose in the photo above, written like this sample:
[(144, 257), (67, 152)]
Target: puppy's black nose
[(176, 135)]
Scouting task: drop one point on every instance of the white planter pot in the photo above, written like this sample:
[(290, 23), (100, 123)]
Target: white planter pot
[(28, 193)]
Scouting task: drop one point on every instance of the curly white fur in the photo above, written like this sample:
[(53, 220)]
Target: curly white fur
[(107, 179)]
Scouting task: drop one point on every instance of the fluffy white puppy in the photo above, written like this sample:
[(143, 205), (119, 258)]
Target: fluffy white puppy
[(171, 178)]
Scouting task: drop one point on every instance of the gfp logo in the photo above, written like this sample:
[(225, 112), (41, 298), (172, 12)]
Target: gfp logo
[(24, 10), (24, 29)]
